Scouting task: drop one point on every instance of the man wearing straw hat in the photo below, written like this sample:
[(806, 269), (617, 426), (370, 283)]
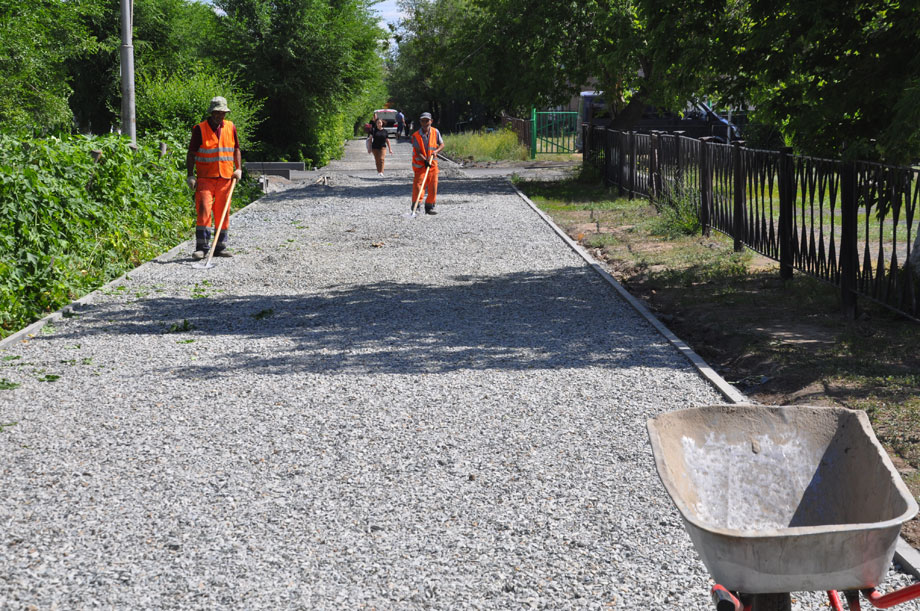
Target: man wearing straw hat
[(426, 144), (212, 162)]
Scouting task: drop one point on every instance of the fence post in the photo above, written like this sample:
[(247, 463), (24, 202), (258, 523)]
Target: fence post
[(533, 132), (705, 186), (632, 163), (738, 195), (654, 168), (679, 168), (604, 170), (849, 258), (786, 202), (621, 157)]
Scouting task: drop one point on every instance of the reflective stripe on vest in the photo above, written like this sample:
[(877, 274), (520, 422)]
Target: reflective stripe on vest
[(418, 143), (215, 157)]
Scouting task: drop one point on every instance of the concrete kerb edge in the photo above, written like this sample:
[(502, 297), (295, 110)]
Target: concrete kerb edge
[(727, 390), (35, 328), (905, 555)]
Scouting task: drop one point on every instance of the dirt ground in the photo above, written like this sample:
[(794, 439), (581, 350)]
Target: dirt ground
[(779, 343)]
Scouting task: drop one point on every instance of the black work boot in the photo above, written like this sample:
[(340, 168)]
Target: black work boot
[(202, 241), (429, 209), (223, 237)]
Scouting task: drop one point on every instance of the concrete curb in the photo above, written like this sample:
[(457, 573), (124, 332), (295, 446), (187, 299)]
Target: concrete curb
[(907, 557), (727, 390)]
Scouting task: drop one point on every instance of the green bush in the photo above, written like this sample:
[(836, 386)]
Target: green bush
[(69, 224), (680, 217), (492, 146), (176, 102)]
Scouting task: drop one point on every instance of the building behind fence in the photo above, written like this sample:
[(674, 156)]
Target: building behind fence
[(851, 224)]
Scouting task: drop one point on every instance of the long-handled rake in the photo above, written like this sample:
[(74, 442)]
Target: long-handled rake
[(421, 191), (207, 262)]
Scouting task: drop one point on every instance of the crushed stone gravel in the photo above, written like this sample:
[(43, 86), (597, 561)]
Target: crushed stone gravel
[(358, 410)]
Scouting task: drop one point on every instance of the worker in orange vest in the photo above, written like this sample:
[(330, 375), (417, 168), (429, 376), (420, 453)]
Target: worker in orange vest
[(212, 162), (426, 144)]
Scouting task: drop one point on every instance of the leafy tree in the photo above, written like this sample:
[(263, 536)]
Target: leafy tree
[(437, 68), (834, 75), (177, 101), (36, 40), (168, 36), (514, 54), (309, 60), (829, 75)]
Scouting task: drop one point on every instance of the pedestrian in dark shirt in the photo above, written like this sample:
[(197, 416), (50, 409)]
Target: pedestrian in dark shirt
[(380, 144), (400, 124)]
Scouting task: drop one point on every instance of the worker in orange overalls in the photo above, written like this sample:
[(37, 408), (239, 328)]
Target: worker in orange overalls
[(426, 144), (214, 157)]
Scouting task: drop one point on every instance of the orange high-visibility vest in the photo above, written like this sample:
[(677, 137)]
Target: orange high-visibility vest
[(422, 150), (215, 157)]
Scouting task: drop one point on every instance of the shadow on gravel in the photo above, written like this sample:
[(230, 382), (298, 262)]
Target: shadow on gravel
[(521, 321)]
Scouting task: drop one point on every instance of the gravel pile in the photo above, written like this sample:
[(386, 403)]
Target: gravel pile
[(359, 410)]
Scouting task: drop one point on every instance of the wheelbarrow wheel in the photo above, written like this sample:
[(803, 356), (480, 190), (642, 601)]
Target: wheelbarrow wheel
[(772, 602)]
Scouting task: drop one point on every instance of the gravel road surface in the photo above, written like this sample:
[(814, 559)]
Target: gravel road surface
[(358, 410)]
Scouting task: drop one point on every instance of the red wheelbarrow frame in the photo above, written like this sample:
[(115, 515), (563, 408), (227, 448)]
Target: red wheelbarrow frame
[(727, 601)]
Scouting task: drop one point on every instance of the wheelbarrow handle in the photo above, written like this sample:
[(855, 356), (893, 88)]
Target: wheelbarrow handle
[(884, 601), (834, 601), (725, 600)]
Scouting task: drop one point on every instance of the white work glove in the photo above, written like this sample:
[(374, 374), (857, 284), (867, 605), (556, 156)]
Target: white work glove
[(191, 182), (237, 174)]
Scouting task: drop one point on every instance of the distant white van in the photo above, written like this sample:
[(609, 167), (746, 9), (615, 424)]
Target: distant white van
[(388, 115)]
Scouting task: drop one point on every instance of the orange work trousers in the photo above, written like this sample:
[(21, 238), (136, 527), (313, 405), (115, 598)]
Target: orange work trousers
[(211, 199), (431, 185)]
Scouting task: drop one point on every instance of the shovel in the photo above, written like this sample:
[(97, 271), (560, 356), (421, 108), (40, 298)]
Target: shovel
[(206, 264)]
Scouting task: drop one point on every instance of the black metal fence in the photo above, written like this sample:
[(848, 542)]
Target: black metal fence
[(852, 224)]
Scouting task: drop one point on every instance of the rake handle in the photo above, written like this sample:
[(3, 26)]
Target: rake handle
[(220, 223), (421, 189)]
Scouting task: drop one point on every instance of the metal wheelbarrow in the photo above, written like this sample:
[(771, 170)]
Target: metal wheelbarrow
[(784, 499)]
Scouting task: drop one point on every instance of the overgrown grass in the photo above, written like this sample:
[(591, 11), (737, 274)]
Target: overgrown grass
[(500, 145), (69, 224), (680, 217), (582, 191)]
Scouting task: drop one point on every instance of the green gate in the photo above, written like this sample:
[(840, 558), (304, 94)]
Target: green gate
[(553, 132)]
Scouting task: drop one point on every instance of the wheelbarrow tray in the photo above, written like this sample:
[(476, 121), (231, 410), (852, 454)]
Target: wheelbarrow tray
[(783, 499)]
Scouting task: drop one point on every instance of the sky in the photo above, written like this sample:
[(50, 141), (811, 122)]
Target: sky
[(388, 11)]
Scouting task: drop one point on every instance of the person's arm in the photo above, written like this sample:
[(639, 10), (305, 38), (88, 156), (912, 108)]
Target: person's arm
[(193, 146), (237, 157), (440, 145), (190, 164)]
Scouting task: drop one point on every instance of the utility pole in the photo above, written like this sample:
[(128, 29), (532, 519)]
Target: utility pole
[(128, 120)]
